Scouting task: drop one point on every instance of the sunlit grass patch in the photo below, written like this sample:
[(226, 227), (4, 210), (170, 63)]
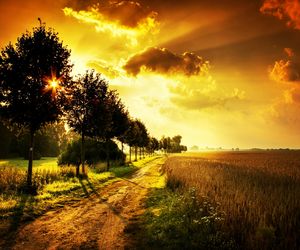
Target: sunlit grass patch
[(140, 163), (45, 163), (7, 203), (43, 196), (100, 177), (61, 187)]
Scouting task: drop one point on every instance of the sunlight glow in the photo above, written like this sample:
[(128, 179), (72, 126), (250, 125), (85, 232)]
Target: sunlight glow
[(52, 85)]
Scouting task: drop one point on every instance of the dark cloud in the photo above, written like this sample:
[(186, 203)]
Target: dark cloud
[(287, 10), (126, 13), (286, 70), (163, 61)]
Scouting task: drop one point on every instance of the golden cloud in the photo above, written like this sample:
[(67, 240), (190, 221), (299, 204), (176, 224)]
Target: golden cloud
[(123, 18), (288, 10), (103, 68), (285, 111), (292, 96), (163, 61), (197, 99), (286, 70), (126, 13)]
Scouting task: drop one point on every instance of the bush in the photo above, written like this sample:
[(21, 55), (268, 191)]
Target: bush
[(95, 152)]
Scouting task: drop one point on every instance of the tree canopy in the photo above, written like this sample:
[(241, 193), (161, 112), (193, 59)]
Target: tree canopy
[(26, 71)]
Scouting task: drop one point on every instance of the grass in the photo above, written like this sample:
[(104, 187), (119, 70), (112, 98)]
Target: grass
[(56, 186), (258, 193), (20, 163)]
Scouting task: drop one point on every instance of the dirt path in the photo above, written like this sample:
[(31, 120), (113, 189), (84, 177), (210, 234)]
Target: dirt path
[(97, 222)]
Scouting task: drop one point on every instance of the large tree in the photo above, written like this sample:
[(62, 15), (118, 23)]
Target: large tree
[(86, 110), (31, 73)]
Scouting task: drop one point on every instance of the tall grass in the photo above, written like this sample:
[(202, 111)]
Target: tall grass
[(13, 179), (259, 194)]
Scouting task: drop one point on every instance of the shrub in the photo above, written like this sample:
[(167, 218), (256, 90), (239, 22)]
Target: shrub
[(95, 151)]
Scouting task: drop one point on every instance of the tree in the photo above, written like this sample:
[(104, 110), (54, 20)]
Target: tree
[(32, 73), (131, 135), (152, 145), (117, 121), (142, 137), (172, 145), (86, 110), (165, 143)]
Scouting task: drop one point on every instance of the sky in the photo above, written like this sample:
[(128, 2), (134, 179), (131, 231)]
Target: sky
[(219, 73)]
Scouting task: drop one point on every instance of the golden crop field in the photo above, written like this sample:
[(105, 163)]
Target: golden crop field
[(259, 193)]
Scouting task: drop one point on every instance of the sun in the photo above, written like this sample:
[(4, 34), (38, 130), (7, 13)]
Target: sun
[(53, 83)]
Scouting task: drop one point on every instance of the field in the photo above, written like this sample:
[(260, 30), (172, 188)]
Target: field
[(257, 193)]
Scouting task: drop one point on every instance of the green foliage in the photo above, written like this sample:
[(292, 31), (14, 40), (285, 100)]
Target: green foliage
[(48, 141), (153, 145), (8, 142), (86, 97), (95, 152)]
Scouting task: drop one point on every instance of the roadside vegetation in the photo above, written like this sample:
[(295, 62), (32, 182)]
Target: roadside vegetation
[(55, 185)]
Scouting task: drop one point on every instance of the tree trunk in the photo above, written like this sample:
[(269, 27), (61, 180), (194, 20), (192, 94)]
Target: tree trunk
[(140, 153), (107, 154), (122, 147), (135, 153), (30, 159), (77, 170), (82, 153), (129, 153)]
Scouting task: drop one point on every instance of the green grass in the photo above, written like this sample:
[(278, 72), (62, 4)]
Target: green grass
[(44, 163)]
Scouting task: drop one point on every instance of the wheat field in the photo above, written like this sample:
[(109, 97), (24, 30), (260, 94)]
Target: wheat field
[(258, 192)]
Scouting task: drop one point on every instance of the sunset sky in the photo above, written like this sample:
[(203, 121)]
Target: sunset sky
[(220, 73)]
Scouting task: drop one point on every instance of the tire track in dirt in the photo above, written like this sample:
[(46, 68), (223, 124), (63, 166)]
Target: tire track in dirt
[(97, 222)]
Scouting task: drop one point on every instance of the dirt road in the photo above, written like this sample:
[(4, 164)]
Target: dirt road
[(97, 222)]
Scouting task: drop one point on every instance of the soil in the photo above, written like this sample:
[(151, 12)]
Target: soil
[(96, 222)]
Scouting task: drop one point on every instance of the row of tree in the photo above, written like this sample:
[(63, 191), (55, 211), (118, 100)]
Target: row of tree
[(36, 89)]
